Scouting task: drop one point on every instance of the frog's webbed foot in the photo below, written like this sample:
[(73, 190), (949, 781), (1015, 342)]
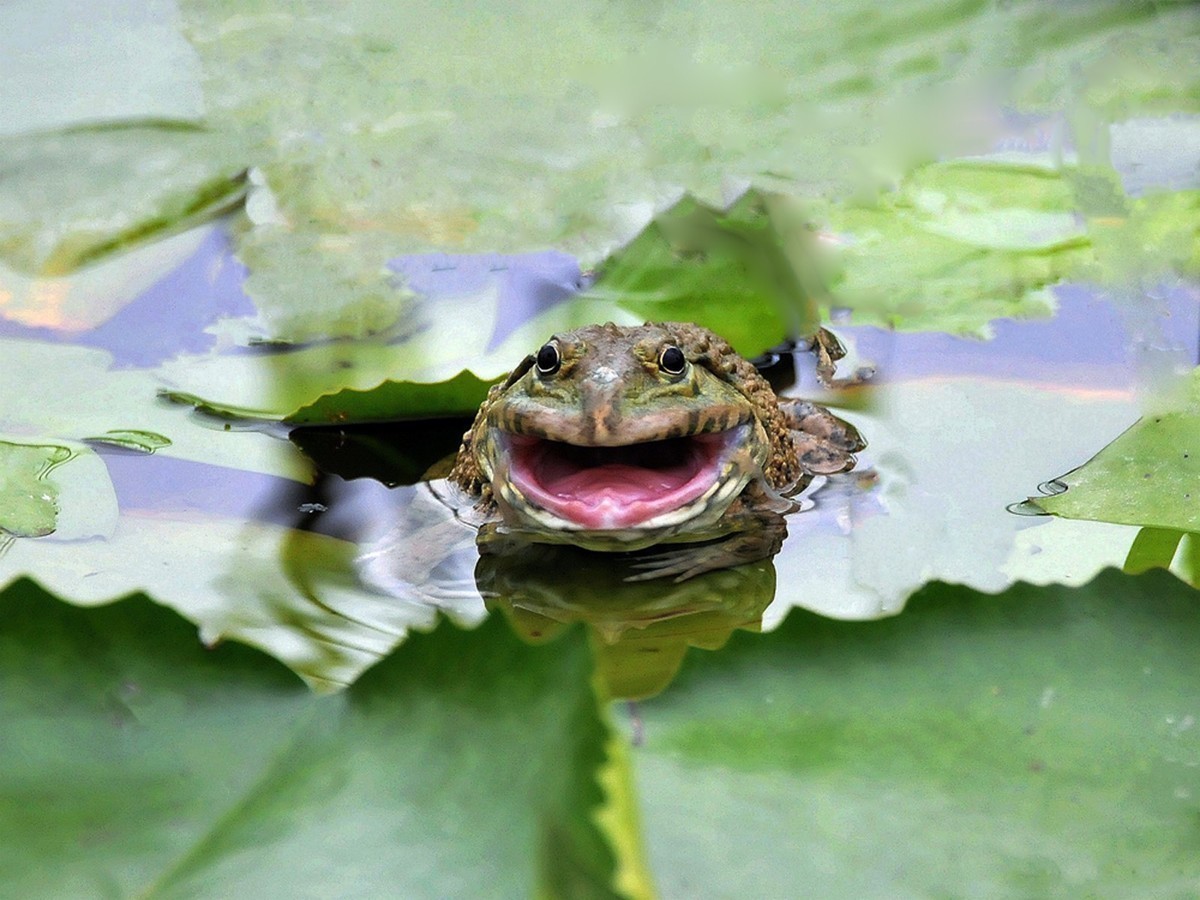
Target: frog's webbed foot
[(764, 535), (825, 444)]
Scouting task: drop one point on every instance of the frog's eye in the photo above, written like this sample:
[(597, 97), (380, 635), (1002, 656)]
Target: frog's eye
[(549, 359), (672, 361)]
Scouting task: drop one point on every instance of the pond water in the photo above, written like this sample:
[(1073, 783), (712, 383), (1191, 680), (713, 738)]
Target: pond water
[(223, 277), (325, 546)]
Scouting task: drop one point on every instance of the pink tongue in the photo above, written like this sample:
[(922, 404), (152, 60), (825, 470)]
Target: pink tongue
[(621, 483), (614, 495)]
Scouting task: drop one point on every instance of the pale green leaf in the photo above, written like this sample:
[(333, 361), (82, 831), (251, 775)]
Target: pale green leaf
[(1150, 475), (50, 487)]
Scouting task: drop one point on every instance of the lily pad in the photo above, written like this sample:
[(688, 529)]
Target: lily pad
[(53, 488), (466, 764), (976, 740), (1150, 475), (28, 499), (62, 64), (740, 271), (88, 299), (957, 245), (290, 592)]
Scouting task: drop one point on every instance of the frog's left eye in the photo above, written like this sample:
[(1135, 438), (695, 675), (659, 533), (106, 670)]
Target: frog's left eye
[(549, 359), (672, 361)]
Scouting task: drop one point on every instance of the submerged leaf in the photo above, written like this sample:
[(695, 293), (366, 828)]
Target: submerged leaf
[(466, 764), (975, 740), (71, 391), (1150, 475)]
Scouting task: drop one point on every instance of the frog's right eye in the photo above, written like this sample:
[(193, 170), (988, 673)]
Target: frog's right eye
[(548, 359)]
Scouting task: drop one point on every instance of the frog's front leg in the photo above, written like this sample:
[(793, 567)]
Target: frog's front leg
[(825, 444)]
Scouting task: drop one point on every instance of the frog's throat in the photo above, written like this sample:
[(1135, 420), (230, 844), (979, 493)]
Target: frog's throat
[(653, 484)]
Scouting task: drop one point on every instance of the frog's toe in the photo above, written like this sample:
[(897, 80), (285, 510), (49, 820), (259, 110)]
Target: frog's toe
[(821, 457), (680, 564)]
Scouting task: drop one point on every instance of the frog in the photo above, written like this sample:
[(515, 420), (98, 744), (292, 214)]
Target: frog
[(619, 439)]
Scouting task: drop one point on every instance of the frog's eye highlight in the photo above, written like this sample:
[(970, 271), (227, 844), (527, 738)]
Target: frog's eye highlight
[(672, 361), (548, 359)]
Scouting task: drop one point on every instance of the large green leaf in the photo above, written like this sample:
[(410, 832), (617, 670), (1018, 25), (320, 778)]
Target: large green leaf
[(741, 271), (1042, 742), (139, 763), (1150, 475)]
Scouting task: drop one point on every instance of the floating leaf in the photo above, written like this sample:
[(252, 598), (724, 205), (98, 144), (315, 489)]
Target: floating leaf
[(290, 592), (28, 500), (957, 245), (1150, 475), (975, 740), (91, 298), (695, 263), (132, 439), (52, 488), (127, 62), (465, 764), (418, 137)]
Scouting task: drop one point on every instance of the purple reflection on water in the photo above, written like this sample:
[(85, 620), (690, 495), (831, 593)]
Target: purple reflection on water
[(351, 511), (526, 283), (170, 316), (1089, 343)]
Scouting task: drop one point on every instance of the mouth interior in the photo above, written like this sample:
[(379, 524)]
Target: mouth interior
[(617, 487)]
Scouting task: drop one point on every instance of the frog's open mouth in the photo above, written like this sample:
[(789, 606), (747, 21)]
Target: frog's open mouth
[(606, 488)]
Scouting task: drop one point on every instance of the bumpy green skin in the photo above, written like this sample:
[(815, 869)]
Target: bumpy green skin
[(563, 408)]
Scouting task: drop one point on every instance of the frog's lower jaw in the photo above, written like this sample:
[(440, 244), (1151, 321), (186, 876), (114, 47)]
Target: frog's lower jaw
[(624, 492)]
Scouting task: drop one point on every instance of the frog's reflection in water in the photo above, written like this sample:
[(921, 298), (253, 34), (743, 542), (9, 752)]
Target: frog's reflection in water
[(640, 630)]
